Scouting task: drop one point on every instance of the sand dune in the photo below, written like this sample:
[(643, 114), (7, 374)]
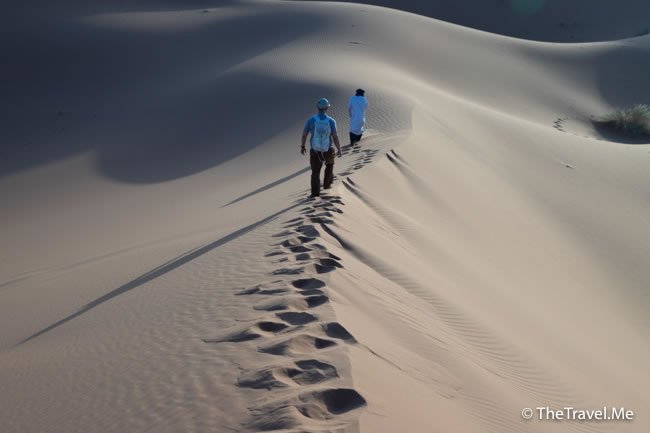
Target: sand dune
[(540, 20), (485, 249)]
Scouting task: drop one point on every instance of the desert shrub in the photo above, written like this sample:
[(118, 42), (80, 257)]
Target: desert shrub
[(635, 120)]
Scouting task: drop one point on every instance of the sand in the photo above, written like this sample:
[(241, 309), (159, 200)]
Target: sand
[(484, 249)]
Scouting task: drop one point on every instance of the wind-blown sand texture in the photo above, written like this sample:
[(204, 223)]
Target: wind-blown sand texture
[(486, 248)]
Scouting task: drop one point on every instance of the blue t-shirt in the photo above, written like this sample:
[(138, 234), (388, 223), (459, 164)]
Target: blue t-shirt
[(309, 127)]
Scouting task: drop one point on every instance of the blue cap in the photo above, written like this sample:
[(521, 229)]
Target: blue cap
[(323, 103)]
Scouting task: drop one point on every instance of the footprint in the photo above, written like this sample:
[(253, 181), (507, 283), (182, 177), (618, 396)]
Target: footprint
[(311, 292), (296, 318), (272, 418), (333, 209), (321, 214), (321, 405), (320, 269), (316, 300), (273, 292), (273, 327), (296, 303), (273, 305), (315, 364), (322, 255), (308, 230), (311, 372), (330, 262), (308, 283), (319, 219), (335, 330), (260, 291), (325, 255), (263, 379), (300, 240), (326, 404), (308, 372), (288, 271), (234, 337), (283, 234), (240, 334), (279, 377), (297, 345), (249, 291)]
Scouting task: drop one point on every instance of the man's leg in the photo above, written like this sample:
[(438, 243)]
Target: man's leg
[(329, 169), (315, 160), (352, 135)]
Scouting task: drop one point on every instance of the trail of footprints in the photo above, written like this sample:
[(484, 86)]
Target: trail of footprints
[(303, 385), (363, 157)]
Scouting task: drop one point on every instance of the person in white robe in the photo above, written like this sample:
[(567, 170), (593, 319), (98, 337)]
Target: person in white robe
[(357, 106)]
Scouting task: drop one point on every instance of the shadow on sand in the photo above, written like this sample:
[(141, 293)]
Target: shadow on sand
[(150, 105), (164, 269)]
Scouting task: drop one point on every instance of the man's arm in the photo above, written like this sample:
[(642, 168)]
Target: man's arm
[(305, 133), (337, 143), (303, 140)]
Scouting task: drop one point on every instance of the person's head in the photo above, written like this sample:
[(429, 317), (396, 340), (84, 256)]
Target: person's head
[(360, 92), (322, 105)]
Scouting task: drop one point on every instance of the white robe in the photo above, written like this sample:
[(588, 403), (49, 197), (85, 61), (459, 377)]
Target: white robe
[(357, 109)]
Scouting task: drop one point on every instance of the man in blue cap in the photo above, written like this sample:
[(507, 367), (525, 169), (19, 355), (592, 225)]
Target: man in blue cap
[(323, 132)]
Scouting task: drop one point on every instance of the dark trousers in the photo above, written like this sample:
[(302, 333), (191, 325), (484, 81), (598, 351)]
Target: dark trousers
[(355, 137), (316, 160)]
